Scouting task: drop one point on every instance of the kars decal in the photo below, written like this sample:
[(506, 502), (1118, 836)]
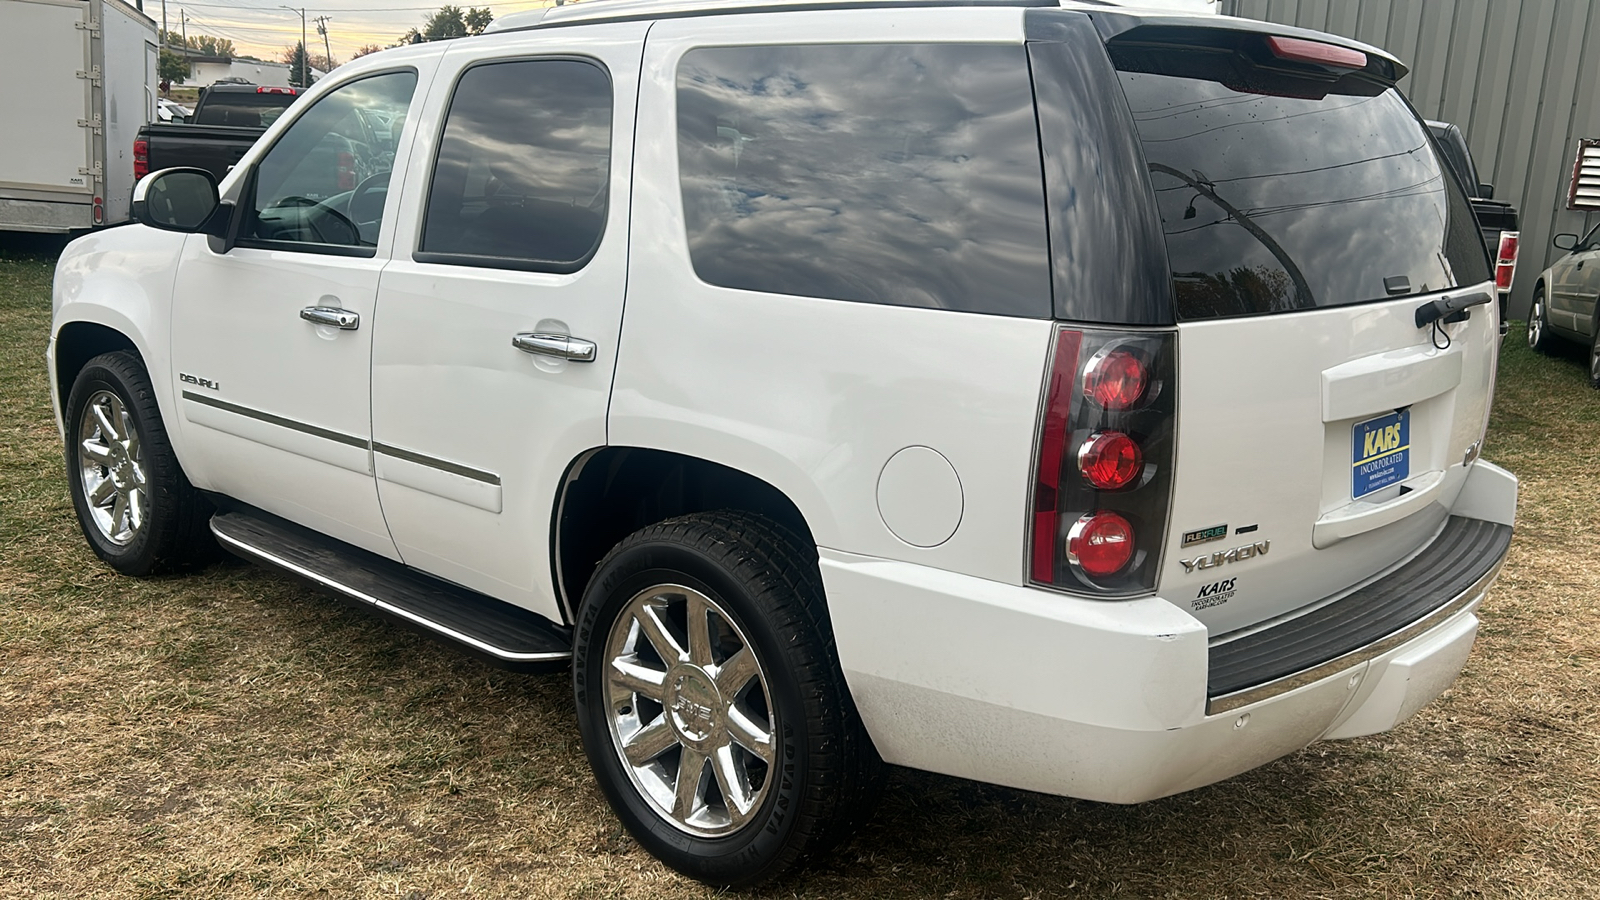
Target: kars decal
[(1214, 594)]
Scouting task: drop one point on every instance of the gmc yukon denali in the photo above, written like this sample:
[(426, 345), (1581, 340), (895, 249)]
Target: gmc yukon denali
[(1066, 398)]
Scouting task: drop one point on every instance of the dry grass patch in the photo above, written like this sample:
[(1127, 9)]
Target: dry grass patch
[(230, 734)]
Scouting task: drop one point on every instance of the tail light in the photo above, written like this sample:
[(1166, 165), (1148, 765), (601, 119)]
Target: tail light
[(99, 212), (1104, 466), (347, 172), (1505, 264), (141, 159)]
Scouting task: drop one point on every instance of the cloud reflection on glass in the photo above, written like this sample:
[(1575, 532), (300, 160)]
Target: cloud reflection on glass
[(904, 174)]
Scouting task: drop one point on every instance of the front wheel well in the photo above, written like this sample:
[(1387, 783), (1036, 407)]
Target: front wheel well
[(610, 493), (79, 342)]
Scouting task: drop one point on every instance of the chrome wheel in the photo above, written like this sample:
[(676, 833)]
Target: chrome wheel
[(111, 467), (1535, 323), (690, 713)]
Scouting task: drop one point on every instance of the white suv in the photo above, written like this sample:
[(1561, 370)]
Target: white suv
[(1065, 398)]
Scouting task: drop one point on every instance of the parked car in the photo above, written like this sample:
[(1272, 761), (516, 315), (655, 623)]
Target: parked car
[(170, 112), (1566, 299), (1043, 396), (80, 79), (227, 119), (1497, 220)]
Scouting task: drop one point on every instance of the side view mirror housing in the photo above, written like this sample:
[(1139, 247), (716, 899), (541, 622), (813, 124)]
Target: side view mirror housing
[(1486, 191), (1565, 241), (181, 199)]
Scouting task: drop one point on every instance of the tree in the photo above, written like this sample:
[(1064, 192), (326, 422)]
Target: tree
[(203, 44), (364, 49), (299, 75), (449, 22), (172, 67), (322, 63)]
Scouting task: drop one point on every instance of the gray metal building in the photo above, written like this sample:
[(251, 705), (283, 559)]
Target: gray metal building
[(1520, 77)]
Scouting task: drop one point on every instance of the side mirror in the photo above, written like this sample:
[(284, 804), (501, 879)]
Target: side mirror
[(180, 199), (1565, 241), (1486, 191)]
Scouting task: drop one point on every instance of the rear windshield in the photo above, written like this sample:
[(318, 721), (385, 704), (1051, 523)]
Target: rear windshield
[(248, 108), (1281, 193)]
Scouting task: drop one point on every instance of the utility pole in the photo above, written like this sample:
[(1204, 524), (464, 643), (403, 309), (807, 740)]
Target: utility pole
[(305, 76), (183, 18), (322, 29), (164, 39)]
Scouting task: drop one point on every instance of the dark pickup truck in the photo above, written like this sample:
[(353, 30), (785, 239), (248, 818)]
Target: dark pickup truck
[(1495, 218), (226, 121)]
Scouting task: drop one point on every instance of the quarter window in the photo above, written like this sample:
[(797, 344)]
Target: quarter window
[(903, 174), (523, 169), (322, 186)]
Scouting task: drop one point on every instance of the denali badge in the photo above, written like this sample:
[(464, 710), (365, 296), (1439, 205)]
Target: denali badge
[(1203, 535), (1259, 548), (186, 378)]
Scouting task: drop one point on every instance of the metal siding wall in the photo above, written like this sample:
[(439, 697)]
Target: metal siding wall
[(1521, 78)]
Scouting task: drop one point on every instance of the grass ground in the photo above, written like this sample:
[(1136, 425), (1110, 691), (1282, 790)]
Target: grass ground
[(230, 734)]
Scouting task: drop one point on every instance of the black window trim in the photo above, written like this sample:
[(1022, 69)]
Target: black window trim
[(515, 264), (248, 197)]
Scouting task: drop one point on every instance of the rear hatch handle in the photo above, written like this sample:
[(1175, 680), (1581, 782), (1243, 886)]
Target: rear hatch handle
[(1446, 307)]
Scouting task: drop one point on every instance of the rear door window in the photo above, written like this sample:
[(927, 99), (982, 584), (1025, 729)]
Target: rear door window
[(904, 174), (1280, 193), (523, 169)]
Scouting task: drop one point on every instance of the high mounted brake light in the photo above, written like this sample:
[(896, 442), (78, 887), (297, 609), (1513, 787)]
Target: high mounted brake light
[(1299, 50), (275, 90)]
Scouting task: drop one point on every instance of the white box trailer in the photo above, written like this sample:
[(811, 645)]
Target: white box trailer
[(80, 80)]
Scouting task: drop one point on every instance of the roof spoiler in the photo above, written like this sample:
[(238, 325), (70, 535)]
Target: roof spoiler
[(1119, 27)]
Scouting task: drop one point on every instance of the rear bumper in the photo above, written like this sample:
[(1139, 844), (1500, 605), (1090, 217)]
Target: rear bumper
[(1109, 701)]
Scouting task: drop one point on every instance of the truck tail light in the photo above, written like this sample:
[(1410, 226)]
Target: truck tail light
[(1099, 512), (347, 172), (1505, 264), (141, 159), (276, 90), (99, 212)]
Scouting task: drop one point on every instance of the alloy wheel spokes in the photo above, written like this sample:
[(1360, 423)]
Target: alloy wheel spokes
[(689, 710), (111, 468)]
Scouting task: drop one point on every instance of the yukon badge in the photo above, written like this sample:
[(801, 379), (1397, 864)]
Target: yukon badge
[(1237, 554)]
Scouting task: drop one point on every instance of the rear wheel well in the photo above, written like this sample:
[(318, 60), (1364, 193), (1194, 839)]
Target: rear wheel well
[(616, 491), (79, 342)]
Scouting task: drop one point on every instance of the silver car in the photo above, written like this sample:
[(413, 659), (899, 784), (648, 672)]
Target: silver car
[(1566, 300)]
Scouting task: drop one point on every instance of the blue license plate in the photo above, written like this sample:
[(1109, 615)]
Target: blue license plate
[(1381, 452)]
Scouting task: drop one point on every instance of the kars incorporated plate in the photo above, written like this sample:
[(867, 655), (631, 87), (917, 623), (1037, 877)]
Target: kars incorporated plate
[(1381, 452)]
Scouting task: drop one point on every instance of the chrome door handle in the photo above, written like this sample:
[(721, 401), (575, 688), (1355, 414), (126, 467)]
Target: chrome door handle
[(560, 346), (332, 316)]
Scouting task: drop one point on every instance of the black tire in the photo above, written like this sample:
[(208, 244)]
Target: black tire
[(1540, 340), (172, 533), (827, 775)]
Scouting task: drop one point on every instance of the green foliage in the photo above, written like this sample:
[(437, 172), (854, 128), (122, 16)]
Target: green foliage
[(299, 74), (203, 44), (449, 22), (172, 67)]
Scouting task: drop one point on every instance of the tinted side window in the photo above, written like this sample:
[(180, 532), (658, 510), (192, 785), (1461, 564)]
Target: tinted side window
[(904, 174), (254, 109), (323, 184), (523, 168)]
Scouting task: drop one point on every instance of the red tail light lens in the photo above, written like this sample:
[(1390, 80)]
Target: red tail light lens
[(1116, 379), (1101, 544), (1300, 50), (1110, 460), (1505, 266), (1104, 466), (141, 159), (347, 172)]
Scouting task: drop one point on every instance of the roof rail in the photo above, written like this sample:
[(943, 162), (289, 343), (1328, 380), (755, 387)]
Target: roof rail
[(626, 10)]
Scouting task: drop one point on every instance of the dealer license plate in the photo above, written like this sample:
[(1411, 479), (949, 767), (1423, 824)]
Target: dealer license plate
[(1381, 452)]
